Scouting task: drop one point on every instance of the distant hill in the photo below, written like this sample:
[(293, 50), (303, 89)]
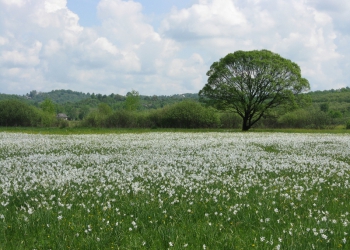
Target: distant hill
[(334, 100), (64, 96), (57, 96), (331, 96)]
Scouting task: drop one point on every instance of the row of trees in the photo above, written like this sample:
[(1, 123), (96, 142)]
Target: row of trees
[(184, 114)]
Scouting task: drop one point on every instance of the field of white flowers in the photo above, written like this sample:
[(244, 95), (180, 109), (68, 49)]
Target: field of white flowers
[(175, 191)]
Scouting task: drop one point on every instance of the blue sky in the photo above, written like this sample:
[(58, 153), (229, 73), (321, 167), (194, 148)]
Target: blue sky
[(163, 47), (155, 10), (86, 10)]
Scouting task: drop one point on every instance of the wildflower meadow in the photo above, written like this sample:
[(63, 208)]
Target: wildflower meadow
[(168, 190)]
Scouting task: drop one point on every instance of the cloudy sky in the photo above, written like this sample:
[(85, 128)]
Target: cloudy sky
[(163, 47)]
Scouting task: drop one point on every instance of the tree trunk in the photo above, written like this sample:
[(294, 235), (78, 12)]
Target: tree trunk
[(245, 125)]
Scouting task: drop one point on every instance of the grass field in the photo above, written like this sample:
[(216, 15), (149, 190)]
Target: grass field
[(172, 190)]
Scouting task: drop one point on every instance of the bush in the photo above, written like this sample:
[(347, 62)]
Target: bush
[(17, 113), (121, 119), (189, 114), (348, 125), (301, 118), (63, 123), (230, 120), (93, 119), (46, 119)]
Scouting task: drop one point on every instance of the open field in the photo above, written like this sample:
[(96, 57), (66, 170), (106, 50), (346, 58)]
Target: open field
[(213, 190)]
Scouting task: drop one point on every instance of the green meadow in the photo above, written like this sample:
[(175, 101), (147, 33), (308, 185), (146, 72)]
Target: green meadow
[(75, 188)]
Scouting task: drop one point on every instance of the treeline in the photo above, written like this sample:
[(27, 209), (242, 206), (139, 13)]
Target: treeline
[(77, 105), (184, 114), (327, 109)]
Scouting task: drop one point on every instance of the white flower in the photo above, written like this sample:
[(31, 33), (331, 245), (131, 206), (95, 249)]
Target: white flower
[(59, 217), (171, 244), (30, 210)]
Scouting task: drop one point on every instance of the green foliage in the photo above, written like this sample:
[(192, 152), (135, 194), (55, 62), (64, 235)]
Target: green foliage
[(104, 109), (17, 113), (132, 101), (48, 106), (305, 119), (109, 110), (61, 123), (348, 125), (122, 119), (324, 107), (58, 96), (335, 114), (189, 114), (253, 82), (230, 120), (186, 114)]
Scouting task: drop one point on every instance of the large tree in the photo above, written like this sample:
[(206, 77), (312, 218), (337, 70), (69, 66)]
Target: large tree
[(251, 83)]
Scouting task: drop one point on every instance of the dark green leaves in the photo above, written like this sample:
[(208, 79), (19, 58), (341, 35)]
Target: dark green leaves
[(251, 82)]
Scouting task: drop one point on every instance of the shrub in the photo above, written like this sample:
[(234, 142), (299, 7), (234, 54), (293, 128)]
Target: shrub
[(189, 114), (63, 123), (17, 113), (301, 118), (93, 119), (121, 119), (230, 120), (348, 125)]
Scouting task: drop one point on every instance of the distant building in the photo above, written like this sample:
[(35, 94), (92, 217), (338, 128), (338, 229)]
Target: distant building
[(62, 116)]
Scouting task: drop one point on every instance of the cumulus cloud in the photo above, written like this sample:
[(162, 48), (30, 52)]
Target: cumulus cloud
[(44, 47), (299, 31)]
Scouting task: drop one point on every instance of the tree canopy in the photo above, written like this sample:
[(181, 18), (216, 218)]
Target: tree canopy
[(252, 82), (132, 101), (48, 106)]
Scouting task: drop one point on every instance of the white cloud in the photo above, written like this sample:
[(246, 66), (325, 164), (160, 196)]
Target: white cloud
[(55, 5), (43, 46), (3, 40), (29, 57), (295, 30), (18, 3), (205, 19)]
